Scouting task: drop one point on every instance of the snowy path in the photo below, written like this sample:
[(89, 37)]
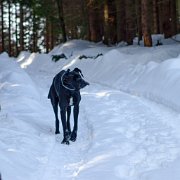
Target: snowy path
[(135, 136), (58, 160), (120, 137), (60, 157)]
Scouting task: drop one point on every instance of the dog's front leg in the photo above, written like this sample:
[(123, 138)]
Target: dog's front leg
[(74, 132), (57, 120), (76, 114), (68, 118), (65, 130)]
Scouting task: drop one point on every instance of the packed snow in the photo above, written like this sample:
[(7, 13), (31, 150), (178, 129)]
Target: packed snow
[(129, 121)]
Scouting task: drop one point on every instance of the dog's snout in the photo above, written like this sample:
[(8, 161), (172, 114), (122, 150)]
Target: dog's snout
[(83, 83)]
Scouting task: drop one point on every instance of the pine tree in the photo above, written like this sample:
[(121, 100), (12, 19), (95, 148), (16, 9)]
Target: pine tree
[(21, 36), (120, 18), (61, 19), (130, 21), (169, 18), (16, 15), (2, 47), (95, 18), (155, 17), (110, 35), (85, 24), (9, 27), (138, 20), (145, 23)]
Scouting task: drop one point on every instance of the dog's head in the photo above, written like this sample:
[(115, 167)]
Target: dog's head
[(78, 80), (74, 79)]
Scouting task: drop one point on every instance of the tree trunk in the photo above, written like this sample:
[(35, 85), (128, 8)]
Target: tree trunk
[(85, 23), (145, 23), (51, 30), (9, 28), (130, 21), (106, 23), (173, 18), (169, 22), (61, 19), (95, 21), (16, 30), (110, 36), (178, 15), (138, 16), (166, 19), (155, 18), (120, 16), (47, 36), (34, 29), (21, 27), (2, 48)]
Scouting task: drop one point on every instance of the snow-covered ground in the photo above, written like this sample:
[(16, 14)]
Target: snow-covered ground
[(129, 122)]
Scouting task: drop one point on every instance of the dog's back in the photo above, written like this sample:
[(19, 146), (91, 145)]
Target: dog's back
[(55, 86)]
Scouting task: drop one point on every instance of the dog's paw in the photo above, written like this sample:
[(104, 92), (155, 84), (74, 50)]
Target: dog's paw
[(67, 135), (65, 141), (57, 132), (73, 136)]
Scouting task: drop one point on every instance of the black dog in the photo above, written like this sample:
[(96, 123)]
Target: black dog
[(65, 88)]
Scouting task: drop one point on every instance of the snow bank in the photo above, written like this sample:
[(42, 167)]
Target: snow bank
[(74, 47), (139, 143), (158, 81), (161, 83), (137, 70), (13, 79), (21, 122), (149, 72)]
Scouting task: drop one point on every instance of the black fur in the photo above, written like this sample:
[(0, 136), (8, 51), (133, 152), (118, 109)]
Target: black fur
[(66, 85)]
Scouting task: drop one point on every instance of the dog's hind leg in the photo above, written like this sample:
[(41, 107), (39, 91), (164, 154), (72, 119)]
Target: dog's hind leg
[(57, 120), (68, 118), (54, 102)]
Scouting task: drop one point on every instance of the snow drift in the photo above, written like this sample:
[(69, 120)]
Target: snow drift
[(121, 135), (149, 72)]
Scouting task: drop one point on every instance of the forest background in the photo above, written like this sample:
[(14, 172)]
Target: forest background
[(40, 25)]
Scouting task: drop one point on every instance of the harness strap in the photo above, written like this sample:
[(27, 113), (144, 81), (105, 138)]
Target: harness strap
[(63, 83)]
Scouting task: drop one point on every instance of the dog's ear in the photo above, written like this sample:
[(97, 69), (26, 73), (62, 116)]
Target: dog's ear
[(68, 70), (77, 70)]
